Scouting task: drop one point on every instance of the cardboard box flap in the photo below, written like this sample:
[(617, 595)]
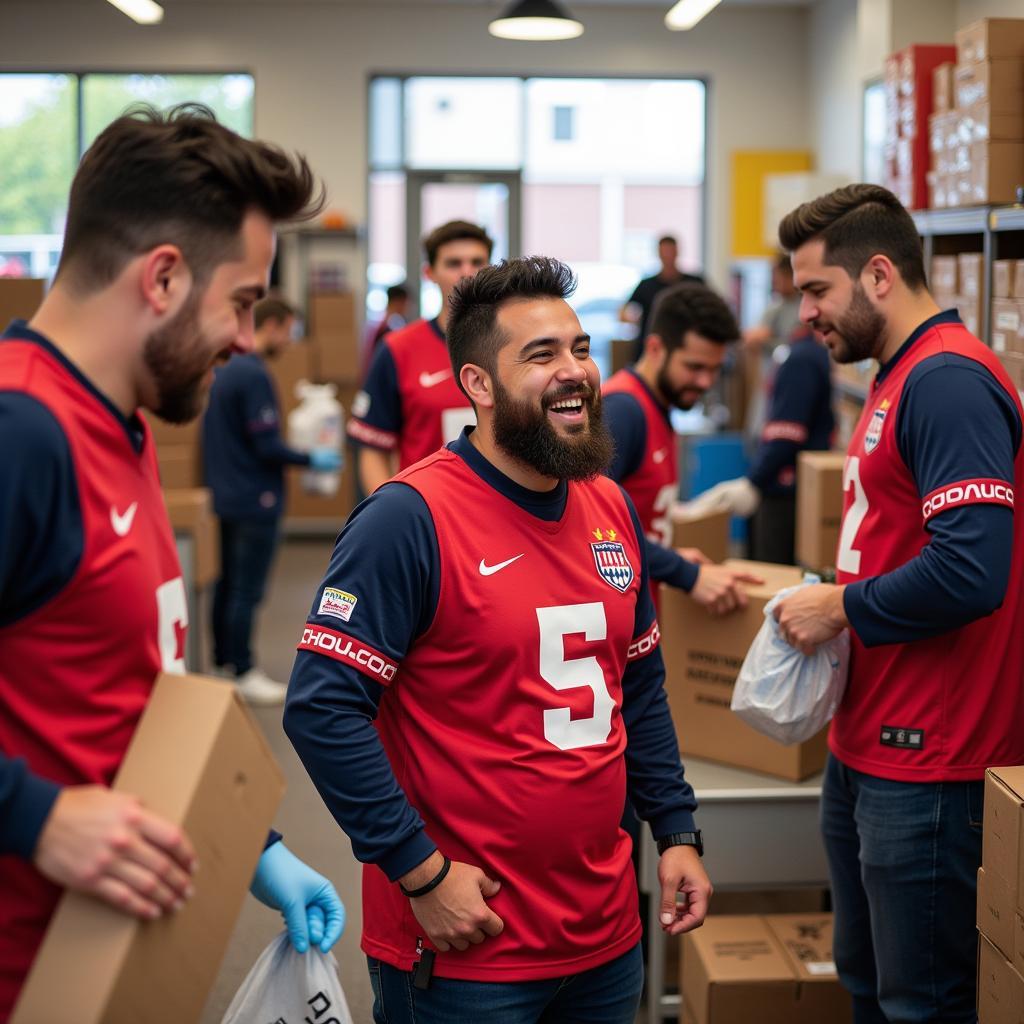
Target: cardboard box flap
[(776, 577), (737, 949)]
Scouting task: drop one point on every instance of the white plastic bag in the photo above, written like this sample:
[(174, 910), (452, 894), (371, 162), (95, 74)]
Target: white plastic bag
[(318, 421), (783, 693), (290, 988)]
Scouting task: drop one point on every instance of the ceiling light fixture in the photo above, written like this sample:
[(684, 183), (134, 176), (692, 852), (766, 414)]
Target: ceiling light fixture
[(687, 13), (535, 20), (145, 12)]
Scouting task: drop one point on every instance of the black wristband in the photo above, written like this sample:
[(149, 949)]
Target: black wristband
[(431, 885)]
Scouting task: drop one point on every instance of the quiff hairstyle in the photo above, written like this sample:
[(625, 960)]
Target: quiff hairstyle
[(857, 222), (473, 333), (691, 307), (455, 231), (177, 178)]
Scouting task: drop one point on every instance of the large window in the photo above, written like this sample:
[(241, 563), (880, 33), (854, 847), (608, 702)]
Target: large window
[(46, 123), (603, 167)]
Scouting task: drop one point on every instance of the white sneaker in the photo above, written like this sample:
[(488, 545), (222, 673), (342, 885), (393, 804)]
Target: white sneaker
[(258, 688)]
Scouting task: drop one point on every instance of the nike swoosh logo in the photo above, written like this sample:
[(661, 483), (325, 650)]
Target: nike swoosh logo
[(490, 570), (122, 524), (660, 455), (429, 380)]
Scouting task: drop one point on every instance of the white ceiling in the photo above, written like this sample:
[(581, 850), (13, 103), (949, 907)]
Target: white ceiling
[(573, 5)]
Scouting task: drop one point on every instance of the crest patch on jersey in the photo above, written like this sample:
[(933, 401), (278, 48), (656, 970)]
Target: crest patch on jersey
[(361, 404), (337, 603), (874, 432), (613, 565)]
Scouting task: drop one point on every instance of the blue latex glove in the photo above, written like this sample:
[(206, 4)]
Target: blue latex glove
[(325, 459), (313, 913)]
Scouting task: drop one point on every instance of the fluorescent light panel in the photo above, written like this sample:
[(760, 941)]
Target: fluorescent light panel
[(687, 13), (145, 12)]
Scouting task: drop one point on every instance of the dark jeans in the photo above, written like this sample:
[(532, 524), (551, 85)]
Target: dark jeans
[(246, 552), (609, 994), (904, 859), (772, 530)]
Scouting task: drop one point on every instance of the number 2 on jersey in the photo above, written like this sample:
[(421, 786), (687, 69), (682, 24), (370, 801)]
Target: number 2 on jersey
[(556, 623), (848, 559)]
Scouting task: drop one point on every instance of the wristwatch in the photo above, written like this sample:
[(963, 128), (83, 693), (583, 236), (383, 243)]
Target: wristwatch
[(682, 839)]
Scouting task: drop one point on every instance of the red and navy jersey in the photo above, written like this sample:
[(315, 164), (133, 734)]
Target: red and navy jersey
[(410, 402), (931, 548), (77, 664), (653, 483), (511, 663)]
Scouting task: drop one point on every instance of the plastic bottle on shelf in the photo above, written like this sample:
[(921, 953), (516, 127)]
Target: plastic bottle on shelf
[(317, 422)]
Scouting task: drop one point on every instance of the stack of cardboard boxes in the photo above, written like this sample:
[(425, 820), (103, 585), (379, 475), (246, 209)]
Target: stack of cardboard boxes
[(1008, 317), (1001, 900), (976, 132), (819, 510), (908, 102), (958, 282)]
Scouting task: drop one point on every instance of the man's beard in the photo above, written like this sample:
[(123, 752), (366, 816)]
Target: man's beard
[(523, 431), (178, 357), (681, 398), (859, 331)]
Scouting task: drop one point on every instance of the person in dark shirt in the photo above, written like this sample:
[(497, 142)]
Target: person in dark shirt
[(244, 459), (638, 307), (396, 315)]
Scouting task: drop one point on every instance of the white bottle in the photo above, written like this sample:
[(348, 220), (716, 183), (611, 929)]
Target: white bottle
[(318, 421)]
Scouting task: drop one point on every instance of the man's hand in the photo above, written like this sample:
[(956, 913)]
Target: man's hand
[(811, 616), (719, 589), (694, 555), (680, 871), (312, 911), (107, 844), (738, 497), (454, 914)]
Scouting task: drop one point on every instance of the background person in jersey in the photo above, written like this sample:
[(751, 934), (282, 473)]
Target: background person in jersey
[(244, 458), (799, 418), (411, 404), (395, 316), (689, 330), (488, 611), (168, 245), (638, 307), (930, 567)]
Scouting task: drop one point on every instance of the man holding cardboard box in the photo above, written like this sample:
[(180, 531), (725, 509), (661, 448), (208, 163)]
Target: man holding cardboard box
[(683, 351), (168, 245), (931, 584), (488, 611), (410, 404)]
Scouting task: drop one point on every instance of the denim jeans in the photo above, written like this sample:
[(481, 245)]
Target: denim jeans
[(904, 859), (609, 994), (247, 549)]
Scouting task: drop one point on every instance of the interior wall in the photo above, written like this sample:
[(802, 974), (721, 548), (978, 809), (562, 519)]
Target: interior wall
[(835, 76), (311, 63)]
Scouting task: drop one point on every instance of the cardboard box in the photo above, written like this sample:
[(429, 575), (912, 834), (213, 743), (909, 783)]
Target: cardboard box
[(1018, 943), (703, 655), (174, 434), (1013, 363), (20, 297), (1000, 987), (180, 467), (1017, 283), (333, 330), (944, 277), (982, 123), (1001, 828), (819, 508), (1002, 280), (970, 267), (990, 39), (1007, 318), (199, 759), (998, 82), (295, 363), (709, 533), (996, 914), (942, 88), (775, 969), (968, 308), (997, 170), (191, 513)]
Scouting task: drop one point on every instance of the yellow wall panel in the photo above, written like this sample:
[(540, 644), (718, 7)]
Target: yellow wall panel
[(749, 169)]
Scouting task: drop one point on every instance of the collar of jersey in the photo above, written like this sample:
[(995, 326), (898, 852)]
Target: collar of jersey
[(947, 316), (660, 406), (19, 330), (547, 506)]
